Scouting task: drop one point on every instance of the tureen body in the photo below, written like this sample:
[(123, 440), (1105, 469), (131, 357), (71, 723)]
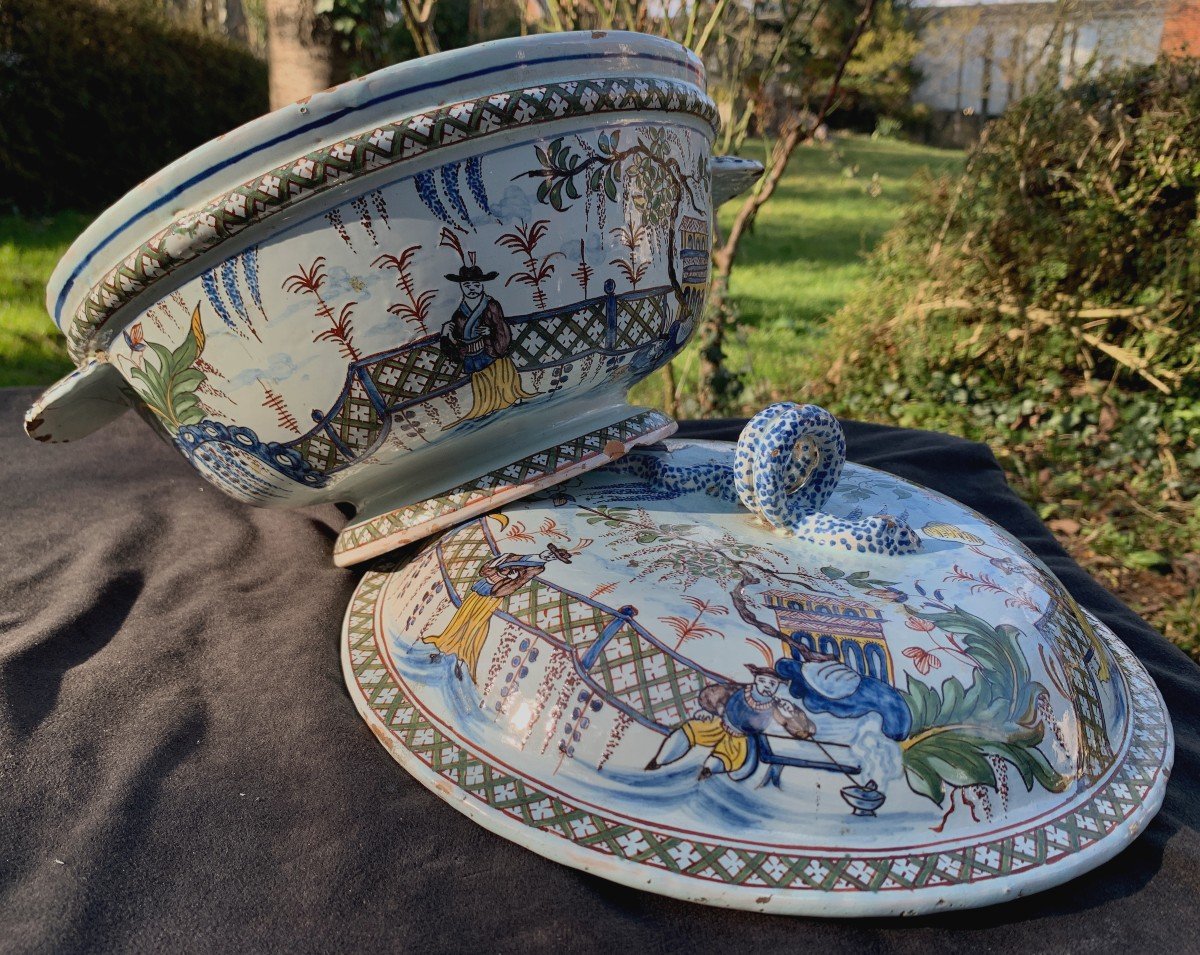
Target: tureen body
[(420, 279), (633, 674)]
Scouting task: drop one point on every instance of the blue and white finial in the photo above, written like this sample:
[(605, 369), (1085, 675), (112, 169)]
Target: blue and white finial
[(788, 462)]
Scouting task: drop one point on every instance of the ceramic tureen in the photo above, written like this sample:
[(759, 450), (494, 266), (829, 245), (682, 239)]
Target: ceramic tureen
[(425, 292), (757, 677), (752, 676)]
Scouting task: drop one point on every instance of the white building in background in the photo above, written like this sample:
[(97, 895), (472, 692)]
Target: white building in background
[(978, 55)]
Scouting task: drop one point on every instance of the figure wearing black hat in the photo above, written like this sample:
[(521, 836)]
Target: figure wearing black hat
[(734, 712), (479, 338)]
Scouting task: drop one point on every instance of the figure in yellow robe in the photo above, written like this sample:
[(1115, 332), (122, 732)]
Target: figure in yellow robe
[(732, 714), (500, 577), (478, 336)]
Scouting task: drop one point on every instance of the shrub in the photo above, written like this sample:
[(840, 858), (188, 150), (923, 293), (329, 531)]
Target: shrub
[(1048, 302), (95, 97)]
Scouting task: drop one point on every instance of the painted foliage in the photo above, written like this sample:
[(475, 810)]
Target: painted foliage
[(639, 640), (432, 304), (169, 380)]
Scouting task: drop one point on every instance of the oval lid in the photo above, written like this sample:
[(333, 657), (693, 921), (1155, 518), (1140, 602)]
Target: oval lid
[(136, 225), (856, 697)]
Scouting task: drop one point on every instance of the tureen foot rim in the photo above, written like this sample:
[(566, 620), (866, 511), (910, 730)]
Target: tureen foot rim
[(375, 535)]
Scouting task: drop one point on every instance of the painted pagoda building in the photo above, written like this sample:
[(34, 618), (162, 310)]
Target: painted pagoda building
[(848, 629), (694, 253)]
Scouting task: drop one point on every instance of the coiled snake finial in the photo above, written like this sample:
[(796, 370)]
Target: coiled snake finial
[(787, 463)]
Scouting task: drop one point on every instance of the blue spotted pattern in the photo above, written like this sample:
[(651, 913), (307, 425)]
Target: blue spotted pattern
[(232, 292), (192, 438), (786, 465), (250, 268), (426, 187), (671, 480), (475, 184), (450, 185), (209, 282)]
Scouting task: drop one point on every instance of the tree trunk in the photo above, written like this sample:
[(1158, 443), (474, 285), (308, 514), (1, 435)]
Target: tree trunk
[(234, 22), (418, 17), (718, 388), (303, 53)]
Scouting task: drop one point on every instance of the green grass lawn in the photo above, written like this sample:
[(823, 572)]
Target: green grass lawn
[(805, 255), (832, 207), (31, 349)]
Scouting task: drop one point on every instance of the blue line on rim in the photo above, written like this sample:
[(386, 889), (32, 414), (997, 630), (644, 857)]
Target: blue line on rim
[(317, 124)]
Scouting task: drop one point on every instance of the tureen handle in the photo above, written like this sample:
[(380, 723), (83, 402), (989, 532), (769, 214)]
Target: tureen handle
[(788, 462), (731, 176), (74, 406)]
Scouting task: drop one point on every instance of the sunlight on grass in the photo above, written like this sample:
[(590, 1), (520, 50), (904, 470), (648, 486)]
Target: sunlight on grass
[(807, 249), (804, 257), (32, 351)]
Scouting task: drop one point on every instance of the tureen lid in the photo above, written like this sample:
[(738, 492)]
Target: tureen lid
[(762, 677)]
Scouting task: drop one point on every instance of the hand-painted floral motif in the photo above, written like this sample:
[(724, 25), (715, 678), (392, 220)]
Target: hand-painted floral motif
[(446, 126), (955, 729), (688, 684), (415, 306), (169, 381), (857, 669), (376, 372), (644, 176)]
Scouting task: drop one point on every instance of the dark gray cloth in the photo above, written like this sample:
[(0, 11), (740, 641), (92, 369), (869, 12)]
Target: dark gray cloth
[(182, 769)]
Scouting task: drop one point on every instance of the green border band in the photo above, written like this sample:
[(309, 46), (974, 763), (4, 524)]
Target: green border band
[(398, 721), (191, 235)]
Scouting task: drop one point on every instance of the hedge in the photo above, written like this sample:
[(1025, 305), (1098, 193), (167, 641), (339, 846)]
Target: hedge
[(1048, 302), (95, 97)]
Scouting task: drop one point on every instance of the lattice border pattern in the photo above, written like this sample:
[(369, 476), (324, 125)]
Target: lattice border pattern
[(1095, 752), (450, 125), (417, 520), (401, 724), (573, 623)]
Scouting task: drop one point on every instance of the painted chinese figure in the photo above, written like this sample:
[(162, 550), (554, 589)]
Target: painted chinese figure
[(824, 684), (500, 577), (734, 714), (479, 338)]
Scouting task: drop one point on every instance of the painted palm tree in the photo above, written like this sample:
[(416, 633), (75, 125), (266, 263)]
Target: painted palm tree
[(416, 308), (583, 272), (342, 333), (692, 628), (523, 241), (310, 281), (633, 267)]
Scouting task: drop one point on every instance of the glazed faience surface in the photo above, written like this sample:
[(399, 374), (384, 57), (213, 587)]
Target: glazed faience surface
[(215, 172), (632, 674), (370, 537), (431, 310), (415, 304)]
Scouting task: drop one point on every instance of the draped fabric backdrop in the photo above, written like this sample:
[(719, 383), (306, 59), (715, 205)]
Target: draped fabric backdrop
[(181, 768)]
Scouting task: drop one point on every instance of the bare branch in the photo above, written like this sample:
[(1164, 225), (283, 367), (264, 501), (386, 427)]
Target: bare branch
[(797, 132), (418, 18)]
